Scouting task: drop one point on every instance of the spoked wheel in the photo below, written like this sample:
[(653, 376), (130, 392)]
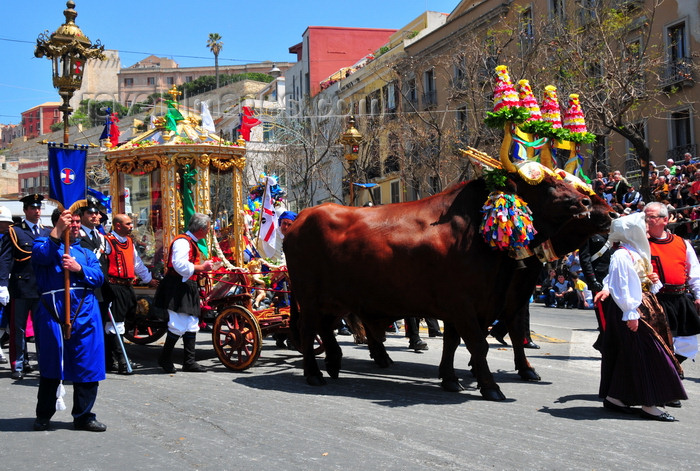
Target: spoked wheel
[(237, 338), (143, 333)]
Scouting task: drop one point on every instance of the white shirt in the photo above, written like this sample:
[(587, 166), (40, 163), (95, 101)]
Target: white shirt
[(181, 257), (623, 282)]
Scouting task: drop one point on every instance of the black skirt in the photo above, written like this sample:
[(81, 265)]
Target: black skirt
[(123, 302), (682, 314), (178, 296), (636, 368)]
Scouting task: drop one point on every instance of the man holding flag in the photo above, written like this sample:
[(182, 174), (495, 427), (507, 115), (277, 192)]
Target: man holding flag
[(80, 357), (68, 324)]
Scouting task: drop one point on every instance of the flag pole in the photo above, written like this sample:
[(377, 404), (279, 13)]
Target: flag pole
[(262, 210), (66, 273)]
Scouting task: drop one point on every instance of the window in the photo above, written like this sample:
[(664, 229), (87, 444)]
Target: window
[(268, 132), (588, 11), (681, 138), (376, 195), (435, 185), (527, 31), (395, 193), (151, 80), (391, 164), (410, 92), (170, 80), (429, 91), (390, 98), (678, 68), (459, 79), (188, 79), (461, 123), (128, 82), (557, 10)]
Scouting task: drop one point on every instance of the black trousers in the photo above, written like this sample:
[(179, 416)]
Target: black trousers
[(84, 396)]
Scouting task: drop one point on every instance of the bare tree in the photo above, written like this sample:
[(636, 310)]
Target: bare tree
[(310, 151)]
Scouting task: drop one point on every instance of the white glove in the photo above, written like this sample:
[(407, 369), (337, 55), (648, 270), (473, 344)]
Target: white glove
[(4, 295)]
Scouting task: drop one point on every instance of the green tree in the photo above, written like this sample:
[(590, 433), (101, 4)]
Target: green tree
[(215, 45)]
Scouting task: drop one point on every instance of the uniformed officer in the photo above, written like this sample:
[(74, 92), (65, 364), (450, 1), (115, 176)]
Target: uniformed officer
[(17, 281)]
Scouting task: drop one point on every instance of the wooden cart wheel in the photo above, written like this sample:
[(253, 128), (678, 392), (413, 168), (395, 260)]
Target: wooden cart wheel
[(237, 338), (144, 333)]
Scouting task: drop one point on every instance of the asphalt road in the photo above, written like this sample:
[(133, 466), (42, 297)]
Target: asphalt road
[(398, 418)]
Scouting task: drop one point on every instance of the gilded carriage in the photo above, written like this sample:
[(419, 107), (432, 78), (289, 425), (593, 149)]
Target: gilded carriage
[(148, 176)]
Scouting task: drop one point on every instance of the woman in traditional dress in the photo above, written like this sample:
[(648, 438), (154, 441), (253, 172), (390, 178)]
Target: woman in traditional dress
[(638, 367)]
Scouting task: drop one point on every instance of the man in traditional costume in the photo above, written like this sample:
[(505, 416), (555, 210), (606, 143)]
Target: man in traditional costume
[(17, 280), (123, 268), (638, 366), (179, 294), (74, 353), (675, 262)]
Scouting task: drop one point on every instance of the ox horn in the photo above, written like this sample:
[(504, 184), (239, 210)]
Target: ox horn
[(505, 149), (546, 155)]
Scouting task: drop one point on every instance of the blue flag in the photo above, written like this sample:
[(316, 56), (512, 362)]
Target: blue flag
[(67, 174), (108, 123)]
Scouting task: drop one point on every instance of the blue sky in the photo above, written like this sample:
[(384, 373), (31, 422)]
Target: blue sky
[(251, 31)]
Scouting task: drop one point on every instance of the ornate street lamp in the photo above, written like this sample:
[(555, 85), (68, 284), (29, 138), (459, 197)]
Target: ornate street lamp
[(351, 140), (69, 50)]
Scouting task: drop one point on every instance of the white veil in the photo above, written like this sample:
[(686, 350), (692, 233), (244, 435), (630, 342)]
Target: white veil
[(632, 230)]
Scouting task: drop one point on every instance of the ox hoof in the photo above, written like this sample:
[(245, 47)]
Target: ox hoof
[(384, 362), (492, 394), (529, 375), (315, 380), (452, 385), (333, 372)]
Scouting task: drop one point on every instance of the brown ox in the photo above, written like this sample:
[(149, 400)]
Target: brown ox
[(421, 258), (521, 286)]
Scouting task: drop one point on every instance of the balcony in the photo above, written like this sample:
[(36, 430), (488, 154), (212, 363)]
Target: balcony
[(677, 153), (429, 98), (678, 73)]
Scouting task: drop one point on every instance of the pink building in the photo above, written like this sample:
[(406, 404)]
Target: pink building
[(326, 49)]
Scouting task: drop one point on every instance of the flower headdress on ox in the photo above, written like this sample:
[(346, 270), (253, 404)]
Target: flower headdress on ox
[(507, 222)]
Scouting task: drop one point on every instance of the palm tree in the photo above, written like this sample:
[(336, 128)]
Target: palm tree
[(215, 45)]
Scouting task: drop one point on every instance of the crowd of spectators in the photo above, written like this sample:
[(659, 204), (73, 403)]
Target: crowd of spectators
[(676, 184)]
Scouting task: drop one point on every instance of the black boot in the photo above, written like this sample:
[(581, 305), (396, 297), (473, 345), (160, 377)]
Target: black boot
[(188, 341), (110, 361), (165, 360), (124, 366)]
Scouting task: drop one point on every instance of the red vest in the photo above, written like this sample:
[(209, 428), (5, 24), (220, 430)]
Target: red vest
[(193, 256), (668, 257), (121, 258)]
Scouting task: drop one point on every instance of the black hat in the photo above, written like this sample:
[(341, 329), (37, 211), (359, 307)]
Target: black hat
[(92, 206), (32, 201)]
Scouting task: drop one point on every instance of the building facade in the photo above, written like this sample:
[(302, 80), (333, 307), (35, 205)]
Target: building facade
[(38, 120), (158, 74)]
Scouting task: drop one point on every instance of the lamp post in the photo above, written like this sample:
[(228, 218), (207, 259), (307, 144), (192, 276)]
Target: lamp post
[(351, 140), (69, 50)]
